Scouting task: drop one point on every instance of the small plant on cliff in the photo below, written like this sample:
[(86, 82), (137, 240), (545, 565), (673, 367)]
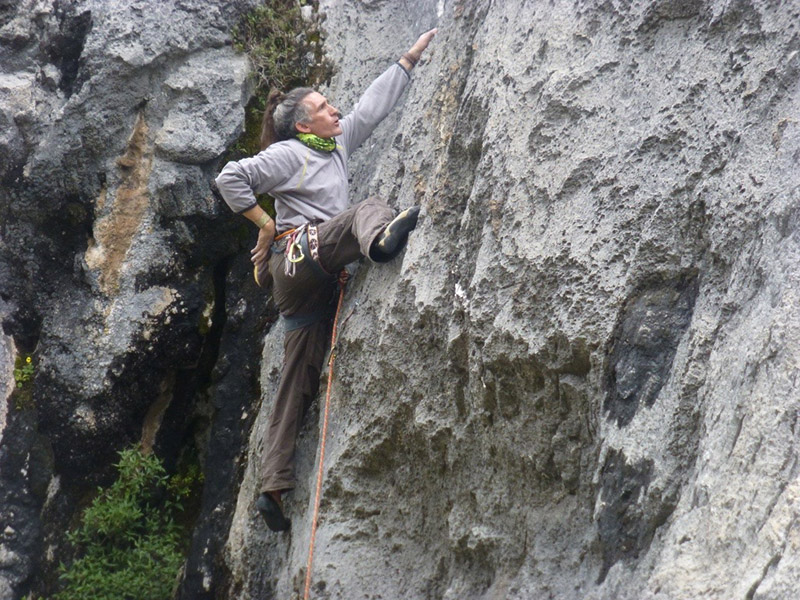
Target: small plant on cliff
[(128, 542), (283, 39), (23, 370)]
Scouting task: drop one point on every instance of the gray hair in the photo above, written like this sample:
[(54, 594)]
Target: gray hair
[(281, 113), (291, 110)]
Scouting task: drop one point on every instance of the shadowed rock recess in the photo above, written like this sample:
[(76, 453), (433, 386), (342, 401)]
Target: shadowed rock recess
[(579, 381)]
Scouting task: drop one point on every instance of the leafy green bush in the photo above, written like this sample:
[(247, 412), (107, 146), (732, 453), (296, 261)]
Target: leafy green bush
[(129, 544)]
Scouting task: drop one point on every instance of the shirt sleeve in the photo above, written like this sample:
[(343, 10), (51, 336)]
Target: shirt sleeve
[(373, 106), (240, 181)]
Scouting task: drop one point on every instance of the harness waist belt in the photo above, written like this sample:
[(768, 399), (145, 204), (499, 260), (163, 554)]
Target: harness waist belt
[(297, 321)]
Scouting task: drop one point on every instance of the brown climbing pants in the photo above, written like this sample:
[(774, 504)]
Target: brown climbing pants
[(342, 240)]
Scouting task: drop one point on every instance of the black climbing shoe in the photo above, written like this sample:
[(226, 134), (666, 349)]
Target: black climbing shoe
[(272, 512), (389, 243)]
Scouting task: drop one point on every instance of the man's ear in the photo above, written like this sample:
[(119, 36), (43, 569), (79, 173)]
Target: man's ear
[(302, 127)]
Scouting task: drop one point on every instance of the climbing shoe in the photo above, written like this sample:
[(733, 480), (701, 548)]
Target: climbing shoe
[(389, 243), (272, 512)]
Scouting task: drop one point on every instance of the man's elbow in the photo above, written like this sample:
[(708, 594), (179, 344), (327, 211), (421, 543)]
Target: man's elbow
[(229, 179), (225, 175)]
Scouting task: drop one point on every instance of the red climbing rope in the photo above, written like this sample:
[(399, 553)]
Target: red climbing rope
[(343, 276)]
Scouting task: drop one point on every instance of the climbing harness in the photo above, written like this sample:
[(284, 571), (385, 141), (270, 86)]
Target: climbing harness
[(309, 243), (301, 243), (343, 277), (274, 248), (280, 236), (294, 252)]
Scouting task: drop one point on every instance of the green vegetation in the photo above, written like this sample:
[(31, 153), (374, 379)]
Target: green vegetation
[(23, 370), (129, 544), (284, 48)]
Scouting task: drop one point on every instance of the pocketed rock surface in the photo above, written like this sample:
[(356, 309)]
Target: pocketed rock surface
[(579, 381)]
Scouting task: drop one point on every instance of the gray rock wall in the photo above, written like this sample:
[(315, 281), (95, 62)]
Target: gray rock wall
[(115, 260), (579, 380)]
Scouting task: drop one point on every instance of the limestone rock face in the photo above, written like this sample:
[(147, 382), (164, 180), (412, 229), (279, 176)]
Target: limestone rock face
[(114, 258), (578, 380)]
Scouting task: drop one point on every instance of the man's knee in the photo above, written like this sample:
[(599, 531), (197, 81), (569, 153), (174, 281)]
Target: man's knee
[(373, 209), (372, 201)]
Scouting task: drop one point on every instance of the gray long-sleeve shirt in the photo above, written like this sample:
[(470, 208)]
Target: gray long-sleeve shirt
[(310, 184)]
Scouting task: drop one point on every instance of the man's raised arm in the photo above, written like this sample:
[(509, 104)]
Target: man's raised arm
[(381, 96)]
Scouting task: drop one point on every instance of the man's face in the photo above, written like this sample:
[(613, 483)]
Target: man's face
[(324, 118)]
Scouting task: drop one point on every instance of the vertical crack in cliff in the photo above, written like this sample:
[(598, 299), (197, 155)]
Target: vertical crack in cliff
[(228, 389), (773, 562), (66, 46), (114, 232)]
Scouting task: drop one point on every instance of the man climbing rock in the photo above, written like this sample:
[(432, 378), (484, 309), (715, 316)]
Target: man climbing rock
[(303, 165)]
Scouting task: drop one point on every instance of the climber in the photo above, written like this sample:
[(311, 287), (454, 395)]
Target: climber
[(303, 164)]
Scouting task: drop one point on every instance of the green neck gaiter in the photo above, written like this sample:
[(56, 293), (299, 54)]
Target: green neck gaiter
[(316, 142)]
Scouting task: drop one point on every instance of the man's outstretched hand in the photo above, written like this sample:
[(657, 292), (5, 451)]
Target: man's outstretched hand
[(422, 42)]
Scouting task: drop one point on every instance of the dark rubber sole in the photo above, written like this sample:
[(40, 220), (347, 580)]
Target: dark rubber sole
[(396, 232), (272, 514)]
